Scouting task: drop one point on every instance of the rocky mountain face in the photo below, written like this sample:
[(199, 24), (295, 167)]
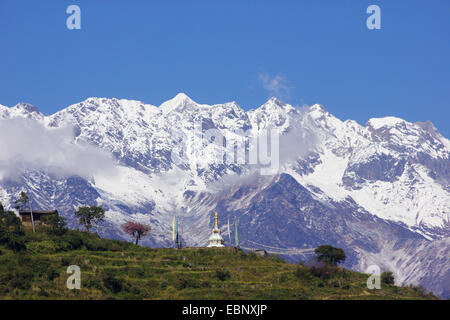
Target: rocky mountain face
[(380, 191)]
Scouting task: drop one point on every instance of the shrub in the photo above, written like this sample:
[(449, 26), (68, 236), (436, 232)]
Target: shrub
[(10, 222), (42, 267), (163, 285), (74, 240), (112, 283), (283, 278), (11, 233), (20, 281), (302, 272), (45, 246), (322, 270), (65, 261), (13, 241), (93, 283), (277, 258), (223, 275), (43, 293), (387, 277), (23, 268), (420, 290), (182, 283)]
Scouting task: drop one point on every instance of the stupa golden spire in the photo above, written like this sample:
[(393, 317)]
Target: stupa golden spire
[(216, 225), (216, 240)]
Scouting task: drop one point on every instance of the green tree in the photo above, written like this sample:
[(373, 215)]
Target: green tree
[(88, 216), (387, 277), (22, 202), (329, 255), (56, 224), (10, 222), (11, 233)]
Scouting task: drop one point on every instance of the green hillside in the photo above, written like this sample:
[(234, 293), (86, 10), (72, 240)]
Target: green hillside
[(120, 270)]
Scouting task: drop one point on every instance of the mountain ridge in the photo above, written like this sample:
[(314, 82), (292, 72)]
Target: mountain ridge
[(426, 124), (391, 169)]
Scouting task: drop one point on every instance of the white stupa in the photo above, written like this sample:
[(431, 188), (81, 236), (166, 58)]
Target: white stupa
[(215, 240)]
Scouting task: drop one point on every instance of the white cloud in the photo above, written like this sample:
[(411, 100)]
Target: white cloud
[(277, 86), (27, 145)]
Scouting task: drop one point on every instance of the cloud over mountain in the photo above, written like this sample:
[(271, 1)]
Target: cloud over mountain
[(27, 145)]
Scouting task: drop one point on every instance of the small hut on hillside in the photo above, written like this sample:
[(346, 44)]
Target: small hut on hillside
[(261, 252), (25, 217)]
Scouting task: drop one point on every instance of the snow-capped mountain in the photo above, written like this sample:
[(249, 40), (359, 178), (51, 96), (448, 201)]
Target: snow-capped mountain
[(381, 191)]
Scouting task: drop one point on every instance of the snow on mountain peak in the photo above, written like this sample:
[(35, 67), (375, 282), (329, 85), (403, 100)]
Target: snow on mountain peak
[(317, 111), (276, 101), (101, 107), (273, 113), (429, 127), (23, 110), (179, 102), (25, 107), (377, 123), (275, 104), (181, 98), (4, 111), (317, 108)]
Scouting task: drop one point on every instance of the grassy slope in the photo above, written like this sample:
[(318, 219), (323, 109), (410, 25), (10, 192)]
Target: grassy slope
[(119, 270)]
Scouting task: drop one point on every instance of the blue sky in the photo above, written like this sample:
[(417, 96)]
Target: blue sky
[(218, 51)]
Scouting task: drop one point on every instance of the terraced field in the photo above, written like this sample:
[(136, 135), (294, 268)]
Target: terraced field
[(120, 270)]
